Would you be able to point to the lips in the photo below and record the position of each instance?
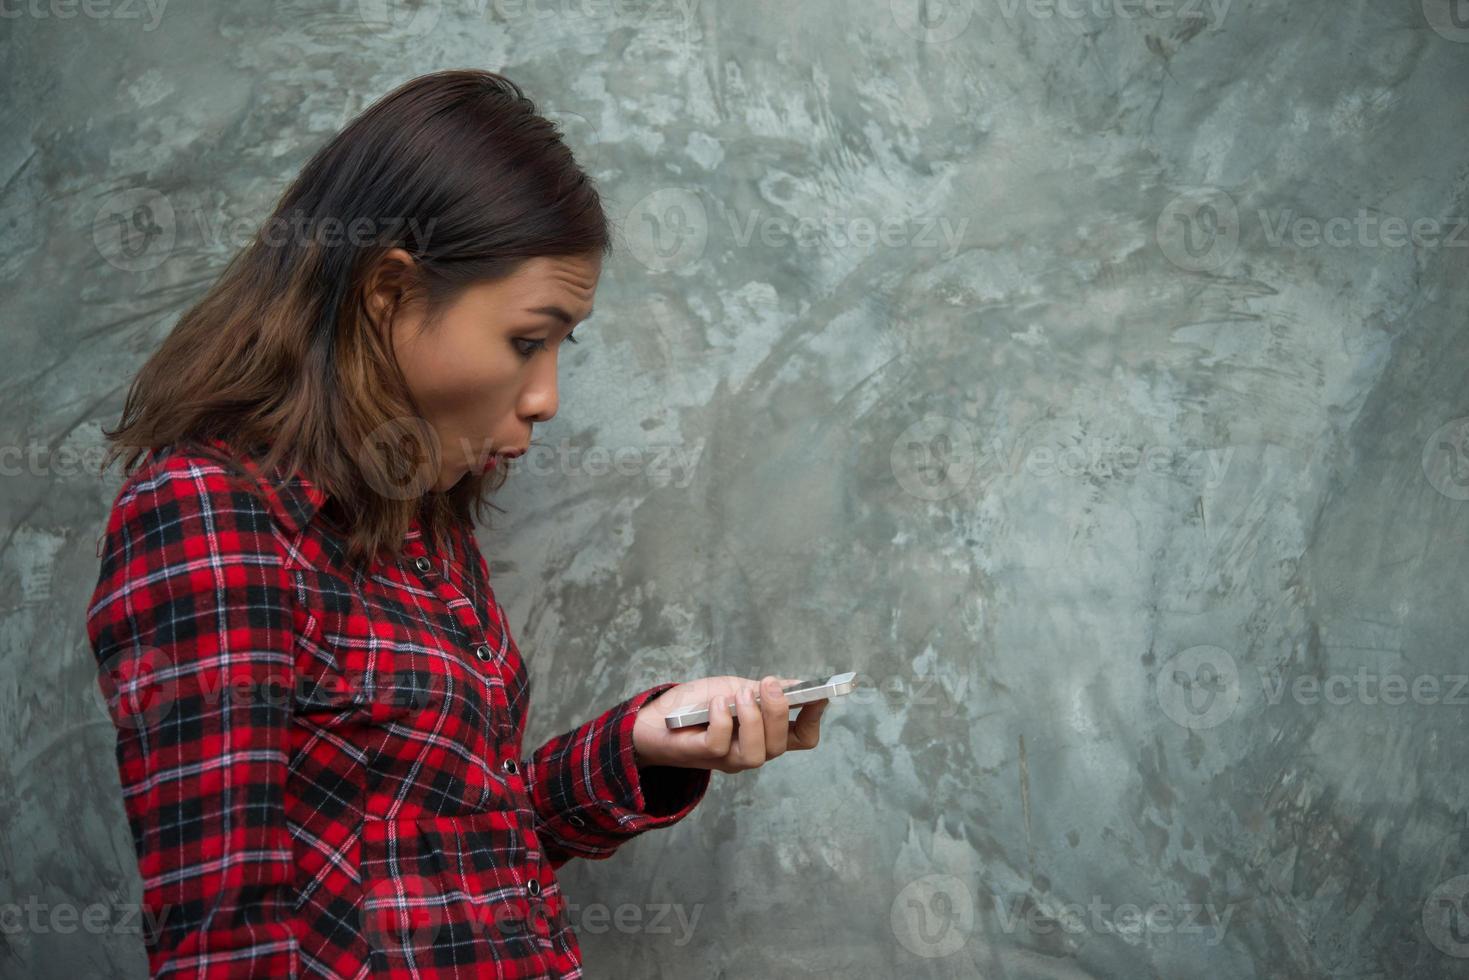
(495, 459)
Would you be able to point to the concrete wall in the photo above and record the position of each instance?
(1007, 355)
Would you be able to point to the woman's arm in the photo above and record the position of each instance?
(192, 624)
(590, 796)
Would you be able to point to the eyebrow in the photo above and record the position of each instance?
(558, 313)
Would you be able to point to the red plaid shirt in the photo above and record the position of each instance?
(321, 763)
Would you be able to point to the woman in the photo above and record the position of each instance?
(319, 704)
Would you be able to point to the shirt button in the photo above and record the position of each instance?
(483, 652)
(423, 564)
(533, 886)
(509, 766)
(576, 821)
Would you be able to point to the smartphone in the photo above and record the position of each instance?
(801, 692)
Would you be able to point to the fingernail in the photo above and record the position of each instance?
(743, 695)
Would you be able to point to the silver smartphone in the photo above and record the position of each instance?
(802, 692)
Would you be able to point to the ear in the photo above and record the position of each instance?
(387, 285)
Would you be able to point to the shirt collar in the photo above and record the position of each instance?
(293, 501)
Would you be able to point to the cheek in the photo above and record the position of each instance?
(453, 379)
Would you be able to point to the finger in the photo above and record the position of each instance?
(721, 727)
(776, 711)
(750, 739)
(806, 729)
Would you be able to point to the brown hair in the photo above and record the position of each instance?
(455, 167)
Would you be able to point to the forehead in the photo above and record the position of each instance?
(566, 281)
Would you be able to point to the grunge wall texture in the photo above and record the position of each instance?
(1089, 376)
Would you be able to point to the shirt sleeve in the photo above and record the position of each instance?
(192, 624)
(589, 795)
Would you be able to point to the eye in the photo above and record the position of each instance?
(572, 337)
(532, 345)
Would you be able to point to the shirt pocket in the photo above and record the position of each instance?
(379, 657)
(462, 890)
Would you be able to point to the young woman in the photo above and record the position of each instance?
(319, 703)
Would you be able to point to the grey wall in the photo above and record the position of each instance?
(1094, 463)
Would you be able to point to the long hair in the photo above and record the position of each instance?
(282, 353)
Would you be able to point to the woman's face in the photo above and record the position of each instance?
(486, 372)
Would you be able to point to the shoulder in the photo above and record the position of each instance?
(188, 490)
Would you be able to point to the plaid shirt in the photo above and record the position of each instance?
(321, 763)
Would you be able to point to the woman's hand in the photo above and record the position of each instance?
(764, 731)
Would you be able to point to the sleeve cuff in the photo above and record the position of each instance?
(591, 796)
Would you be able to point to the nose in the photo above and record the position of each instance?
(538, 397)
